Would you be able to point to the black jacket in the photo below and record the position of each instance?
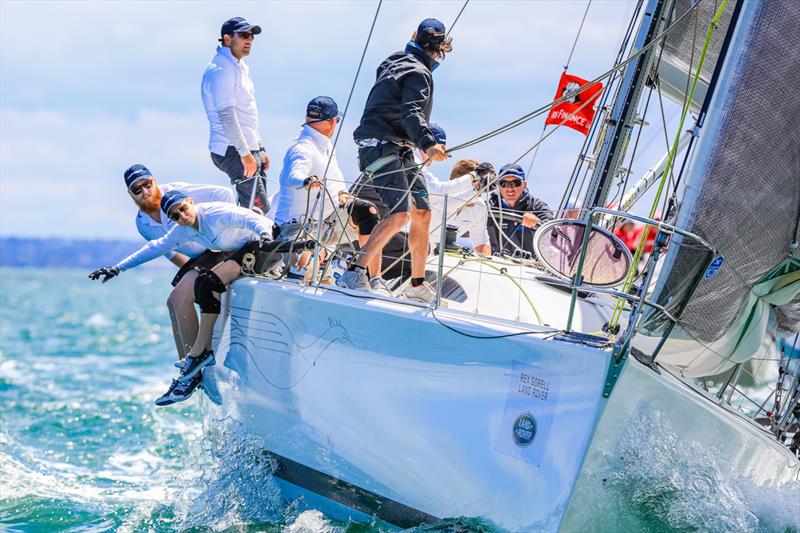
(399, 105)
(512, 229)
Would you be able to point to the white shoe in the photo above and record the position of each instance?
(422, 293)
(357, 279)
(379, 286)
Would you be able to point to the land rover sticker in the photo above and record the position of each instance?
(524, 429)
(531, 401)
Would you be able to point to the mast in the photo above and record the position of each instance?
(620, 122)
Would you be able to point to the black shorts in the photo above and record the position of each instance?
(205, 261)
(391, 182)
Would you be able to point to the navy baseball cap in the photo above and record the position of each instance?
(322, 108)
(136, 172)
(171, 198)
(438, 133)
(432, 27)
(238, 25)
(511, 170)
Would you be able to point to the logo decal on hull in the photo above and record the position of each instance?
(524, 429)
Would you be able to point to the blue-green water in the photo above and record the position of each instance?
(83, 447)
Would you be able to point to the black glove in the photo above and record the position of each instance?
(264, 238)
(106, 272)
(486, 174)
(359, 208)
(308, 180)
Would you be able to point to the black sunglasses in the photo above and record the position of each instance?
(510, 183)
(175, 215)
(246, 35)
(136, 190)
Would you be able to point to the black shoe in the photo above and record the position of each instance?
(179, 391)
(193, 365)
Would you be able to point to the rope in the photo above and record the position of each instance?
(665, 176)
(588, 4)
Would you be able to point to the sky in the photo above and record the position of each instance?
(89, 88)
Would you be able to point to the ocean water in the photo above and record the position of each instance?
(83, 447)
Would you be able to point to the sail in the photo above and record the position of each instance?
(681, 50)
(742, 195)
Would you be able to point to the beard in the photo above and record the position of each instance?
(153, 203)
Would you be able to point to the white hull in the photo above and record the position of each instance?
(375, 408)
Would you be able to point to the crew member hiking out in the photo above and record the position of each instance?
(231, 229)
(395, 121)
(230, 103)
(153, 224)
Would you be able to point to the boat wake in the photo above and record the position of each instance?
(680, 488)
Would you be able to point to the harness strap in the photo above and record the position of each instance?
(379, 163)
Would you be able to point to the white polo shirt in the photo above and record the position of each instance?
(221, 226)
(152, 230)
(226, 83)
(307, 156)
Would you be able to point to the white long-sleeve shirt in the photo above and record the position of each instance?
(152, 230)
(467, 217)
(307, 156)
(226, 83)
(220, 226)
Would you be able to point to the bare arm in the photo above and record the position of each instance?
(179, 260)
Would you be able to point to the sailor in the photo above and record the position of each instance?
(233, 230)
(153, 224)
(308, 162)
(395, 120)
(466, 210)
(230, 103)
(514, 213)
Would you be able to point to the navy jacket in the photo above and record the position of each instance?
(399, 105)
(513, 229)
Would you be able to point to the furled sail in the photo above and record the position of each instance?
(742, 195)
(682, 47)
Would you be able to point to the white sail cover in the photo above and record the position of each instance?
(742, 195)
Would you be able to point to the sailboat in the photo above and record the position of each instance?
(529, 387)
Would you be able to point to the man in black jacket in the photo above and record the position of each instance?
(514, 214)
(396, 120)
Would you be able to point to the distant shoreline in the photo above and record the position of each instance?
(58, 252)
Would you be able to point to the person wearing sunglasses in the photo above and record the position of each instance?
(152, 224)
(309, 160)
(395, 120)
(229, 100)
(514, 213)
(232, 230)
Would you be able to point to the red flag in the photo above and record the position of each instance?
(577, 112)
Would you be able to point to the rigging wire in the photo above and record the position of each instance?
(566, 66)
(453, 25)
(538, 111)
(339, 131)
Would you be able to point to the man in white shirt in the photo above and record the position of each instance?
(309, 163)
(153, 224)
(230, 103)
(465, 209)
(233, 230)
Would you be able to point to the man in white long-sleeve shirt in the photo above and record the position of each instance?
(152, 224)
(230, 103)
(309, 163)
(465, 209)
(231, 229)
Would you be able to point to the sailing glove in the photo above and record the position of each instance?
(486, 175)
(106, 273)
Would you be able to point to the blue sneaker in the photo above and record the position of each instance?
(179, 391)
(193, 365)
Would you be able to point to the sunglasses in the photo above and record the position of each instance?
(136, 190)
(246, 35)
(175, 214)
(510, 183)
